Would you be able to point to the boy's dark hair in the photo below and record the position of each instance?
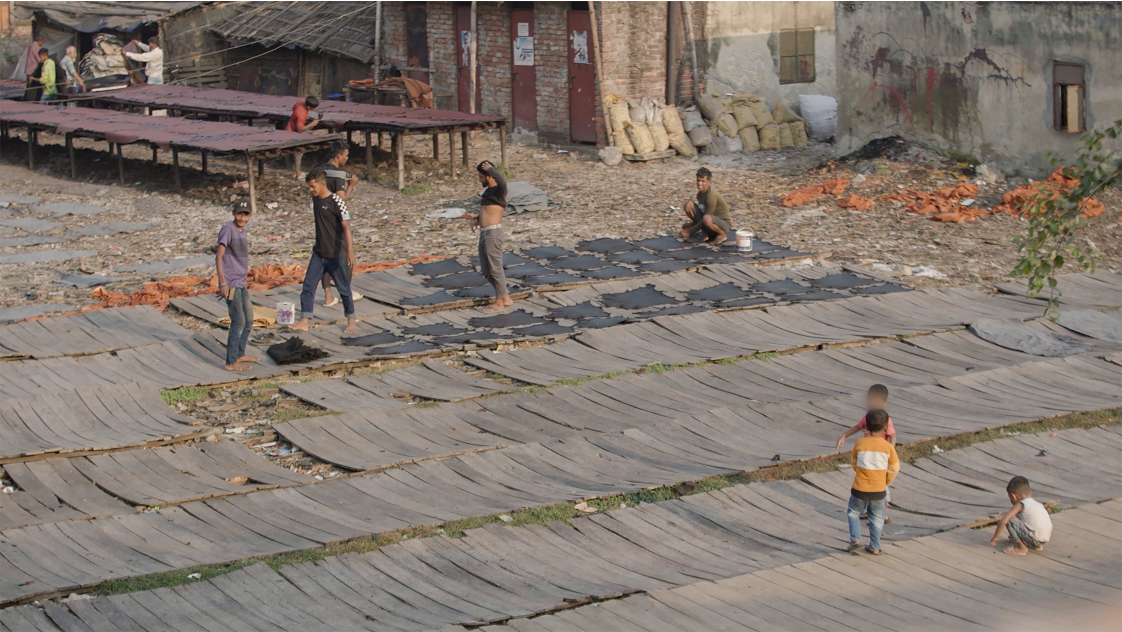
(316, 174)
(489, 170)
(242, 205)
(880, 390)
(704, 173)
(1019, 485)
(311, 102)
(338, 147)
(876, 420)
(154, 41)
(43, 52)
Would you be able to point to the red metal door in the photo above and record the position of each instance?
(582, 79)
(417, 40)
(463, 55)
(524, 75)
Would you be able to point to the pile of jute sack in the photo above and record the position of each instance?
(741, 123)
(718, 125)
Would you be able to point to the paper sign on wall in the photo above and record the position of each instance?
(523, 29)
(465, 46)
(580, 46)
(524, 51)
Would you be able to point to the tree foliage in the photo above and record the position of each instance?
(1055, 218)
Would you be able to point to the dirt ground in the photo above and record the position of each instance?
(631, 200)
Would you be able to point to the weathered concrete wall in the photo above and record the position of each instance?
(743, 39)
(974, 78)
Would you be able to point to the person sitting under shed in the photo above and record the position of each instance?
(709, 213)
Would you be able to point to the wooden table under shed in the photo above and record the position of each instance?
(367, 118)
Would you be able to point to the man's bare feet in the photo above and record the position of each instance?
(238, 367)
(351, 326)
(507, 301)
(301, 326)
(248, 359)
(328, 300)
(1017, 548)
(497, 306)
(718, 240)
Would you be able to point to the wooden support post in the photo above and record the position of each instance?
(261, 169)
(31, 138)
(379, 140)
(350, 139)
(252, 188)
(155, 153)
(464, 146)
(175, 169)
(399, 148)
(120, 164)
(204, 161)
(70, 152)
(502, 141)
(452, 153)
(436, 147)
(370, 156)
(600, 74)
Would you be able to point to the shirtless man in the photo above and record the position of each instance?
(491, 236)
(709, 213)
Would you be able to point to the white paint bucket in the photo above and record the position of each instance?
(286, 313)
(744, 239)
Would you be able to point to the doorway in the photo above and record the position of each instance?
(524, 75)
(417, 41)
(582, 79)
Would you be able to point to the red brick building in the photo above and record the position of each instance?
(549, 92)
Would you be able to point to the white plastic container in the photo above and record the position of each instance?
(744, 239)
(286, 313)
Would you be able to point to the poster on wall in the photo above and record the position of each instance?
(465, 42)
(524, 51)
(580, 47)
(523, 29)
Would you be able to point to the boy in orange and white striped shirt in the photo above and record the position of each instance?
(875, 464)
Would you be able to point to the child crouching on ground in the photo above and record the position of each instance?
(1028, 522)
(875, 464)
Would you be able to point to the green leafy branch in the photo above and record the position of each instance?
(1055, 216)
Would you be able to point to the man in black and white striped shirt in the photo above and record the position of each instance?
(342, 184)
(333, 254)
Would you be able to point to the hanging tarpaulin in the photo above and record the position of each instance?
(91, 17)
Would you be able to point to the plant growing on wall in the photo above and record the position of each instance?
(1056, 215)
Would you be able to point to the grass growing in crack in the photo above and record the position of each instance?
(290, 414)
(567, 511)
(416, 189)
(184, 395)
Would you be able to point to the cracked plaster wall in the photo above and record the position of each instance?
(975, 78)
(743, 42)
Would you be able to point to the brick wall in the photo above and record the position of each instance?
(393, 33)
(494, 51)
(441, 23)
(632, 49)
(551, 56)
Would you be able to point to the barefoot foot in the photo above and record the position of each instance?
(238, 367)
(248, 359)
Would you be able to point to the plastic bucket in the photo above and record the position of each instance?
(286, 313)
(744, 239)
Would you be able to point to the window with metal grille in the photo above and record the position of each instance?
(796, 55)
(1069, 91)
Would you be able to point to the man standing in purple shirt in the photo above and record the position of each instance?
(232, 261)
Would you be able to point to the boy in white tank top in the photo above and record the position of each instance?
(1028, 522)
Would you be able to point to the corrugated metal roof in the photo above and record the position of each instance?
(91, 17)
(345, 29)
